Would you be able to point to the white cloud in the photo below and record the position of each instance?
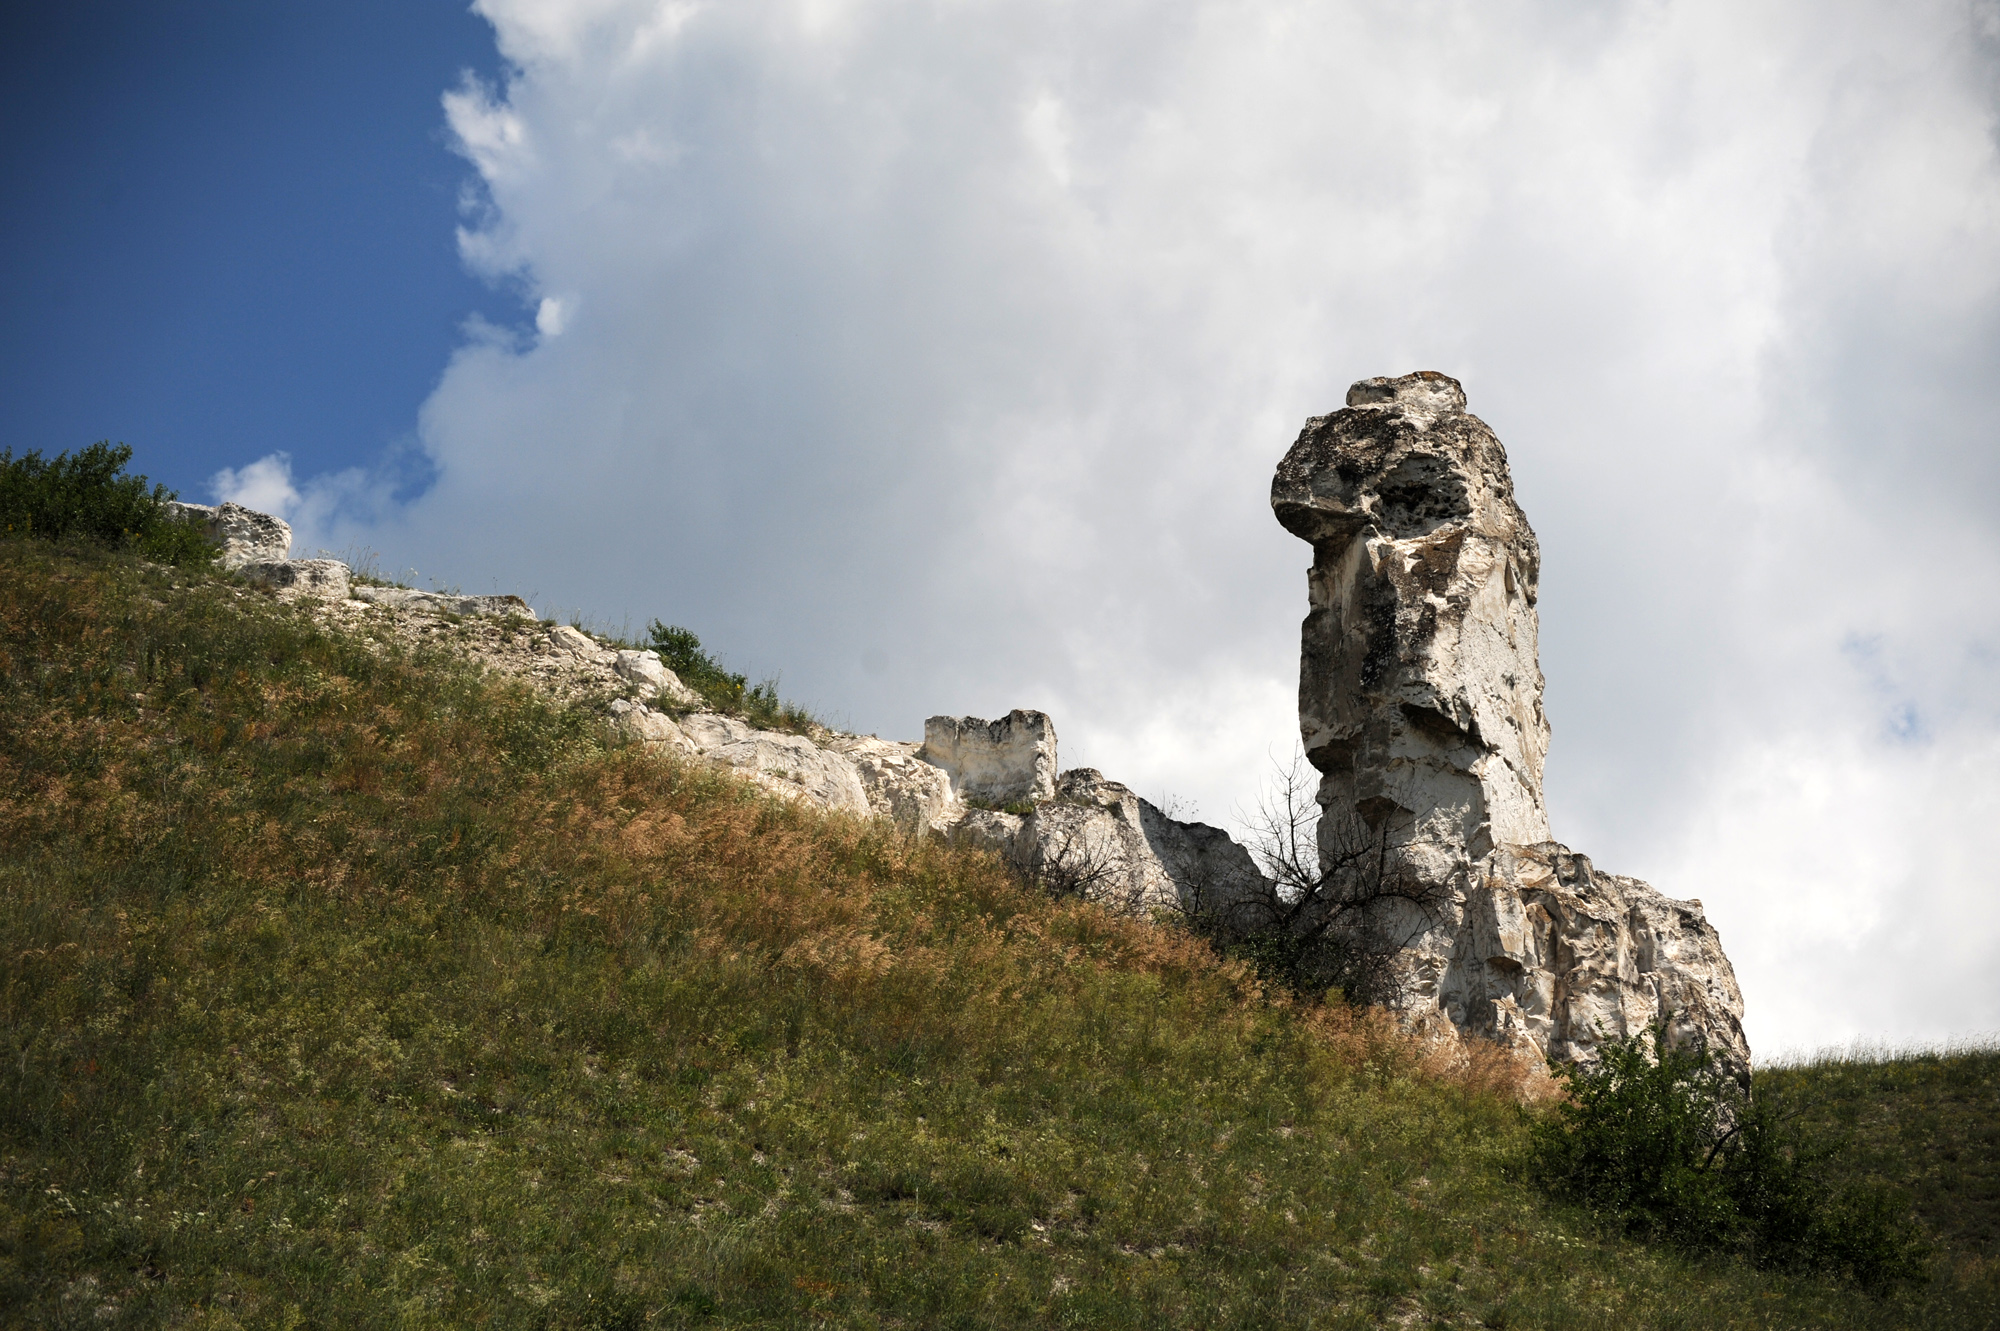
(265, 485)
(551, 317)
(332, 513)
(939, 355)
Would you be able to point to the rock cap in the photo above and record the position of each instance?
(1424, 393)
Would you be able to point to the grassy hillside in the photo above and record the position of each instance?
(1930, 1121)
(339, 987)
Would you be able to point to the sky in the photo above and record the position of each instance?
(934, 357)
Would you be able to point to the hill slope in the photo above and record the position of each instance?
(344, 987)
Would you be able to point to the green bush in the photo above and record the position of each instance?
(683, 654)
(1308, 964)
(88, 496)
(724, 689)
(1660, 1138)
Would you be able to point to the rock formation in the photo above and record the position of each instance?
(991, 783)
(324, 579)
(244, 535)
(1009, 761)
(259, 547)
(1096, 840)
(442, 603)
(1420, 703)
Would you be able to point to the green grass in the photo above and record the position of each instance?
(342, 987)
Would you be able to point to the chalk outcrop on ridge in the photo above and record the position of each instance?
(1009, 761)
(995, 783)
(259, 546)
(1420, 703)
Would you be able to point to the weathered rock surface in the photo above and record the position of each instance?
(1420, 702)
(575, 641)
(322, 578)
(654, 680)
(1009, 761)
(245, 535)
(1419, 687)
(900, 785)
(259, 546)
(441, 603)
(1099, 841)
(788, 765)
(1547, 949)
(655, 730)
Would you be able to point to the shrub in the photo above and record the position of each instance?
(1661, 1139)
(724, 689)
(683, 654)
(1341, 902)
(87, 496)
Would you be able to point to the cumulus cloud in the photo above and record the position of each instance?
(328, 512)
(938, 355)
(265, 485)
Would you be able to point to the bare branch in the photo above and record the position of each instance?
(1070, 863)
(1343, 900)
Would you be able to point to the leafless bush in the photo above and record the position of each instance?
(1341, 901)
(1056, 854)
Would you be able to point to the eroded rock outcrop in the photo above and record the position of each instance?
(1097, 840)
(899, 784)
(994, 783)
(243, 535)
(786, 764)
(1420, 703)
(324, 579)
(1009, 761)
(441, 603)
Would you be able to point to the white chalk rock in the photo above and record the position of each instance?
(322, 579)
(994, 762)
(442, 603)
(646, 670)
(1420, 702)
(900, 785)
(245, 535)
(788, 765)
(640, 724)
(1420, 695)
(574, 641)
(1097, 840)
(1540, 948)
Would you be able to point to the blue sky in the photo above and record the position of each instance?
(228, 227)
(935, 354)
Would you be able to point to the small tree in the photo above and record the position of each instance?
(683, 654)
(1056, 854)
(723, 689)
